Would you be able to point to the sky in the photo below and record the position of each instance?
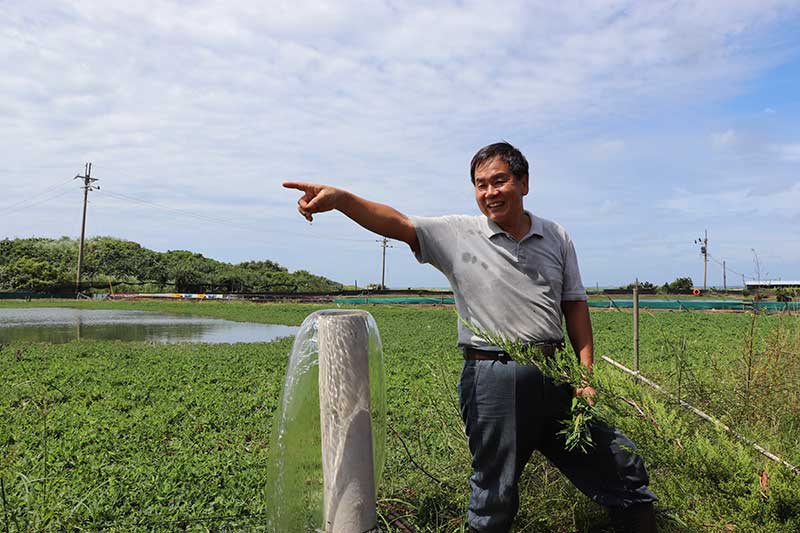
(645, 124)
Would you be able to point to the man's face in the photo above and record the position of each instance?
(498, 193)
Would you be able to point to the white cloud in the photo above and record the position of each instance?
(724, 140)
(764, 201)
(787, 152)
(606, 148)
(207, 98)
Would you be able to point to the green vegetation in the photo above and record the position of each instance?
(136, 436)
(680, 284)
(643, 286)
(562, 367)
(784, 294)
(49, 265)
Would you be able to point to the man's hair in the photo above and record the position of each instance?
(516, 162)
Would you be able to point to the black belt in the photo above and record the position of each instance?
(476, 354)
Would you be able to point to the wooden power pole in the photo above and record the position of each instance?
(705, 259)
(384, 244)
(703, 241)
(724, 277)
(87, 186)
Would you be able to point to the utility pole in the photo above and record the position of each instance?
(724, 277)
(384, 244)
(703, 241)
(87, 186)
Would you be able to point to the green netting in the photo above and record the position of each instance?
(696, 305)
(395, 300)
(688, 305)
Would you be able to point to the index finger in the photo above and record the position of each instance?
(299, 185)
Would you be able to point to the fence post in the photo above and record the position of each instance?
(636, 328)
(346, 424)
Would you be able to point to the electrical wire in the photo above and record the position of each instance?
(32, 200)
(35, 203)
(223, 221)
(729, 269)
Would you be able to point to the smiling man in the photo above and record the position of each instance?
(516, 275)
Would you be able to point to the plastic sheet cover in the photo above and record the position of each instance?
(295, 472)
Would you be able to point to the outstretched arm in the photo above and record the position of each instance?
(378, 218)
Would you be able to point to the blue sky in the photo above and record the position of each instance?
(645, 124)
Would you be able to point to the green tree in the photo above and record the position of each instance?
(681, 284)
(262, 266)
(27, 274)
(189, 280)
(118, 262)
(645, 285)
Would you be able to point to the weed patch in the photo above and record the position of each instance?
(137, 436)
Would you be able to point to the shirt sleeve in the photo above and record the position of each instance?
(572, 289)
(437, 238)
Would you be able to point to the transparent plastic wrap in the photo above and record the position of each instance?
(328, 359)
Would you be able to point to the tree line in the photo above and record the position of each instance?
(111, 264)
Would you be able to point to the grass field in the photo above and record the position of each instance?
(135, 436)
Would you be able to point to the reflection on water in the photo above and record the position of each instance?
(58, 325)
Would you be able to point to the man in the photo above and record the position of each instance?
(516, 275)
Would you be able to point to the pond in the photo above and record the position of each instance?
(59, 325)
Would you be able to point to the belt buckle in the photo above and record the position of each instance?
(503, 357)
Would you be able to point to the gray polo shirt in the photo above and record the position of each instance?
(509, 287)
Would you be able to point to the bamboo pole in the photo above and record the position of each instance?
(346, 424)
(636, 327)
(704, 416)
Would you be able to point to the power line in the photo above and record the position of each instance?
(225, 222)
(729, 269)
(254, 239)
(34, 203)
(204, 218)
(37, 202)
(9, 207)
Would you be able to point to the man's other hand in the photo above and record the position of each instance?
(587, 393)
(315, 199)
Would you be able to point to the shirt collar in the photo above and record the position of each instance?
(491, 229)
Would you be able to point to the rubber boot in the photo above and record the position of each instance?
(637, 518)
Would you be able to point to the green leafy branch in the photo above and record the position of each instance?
(562, 367)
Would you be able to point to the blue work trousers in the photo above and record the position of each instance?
(511, 409)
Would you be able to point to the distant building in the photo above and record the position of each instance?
(772, 284)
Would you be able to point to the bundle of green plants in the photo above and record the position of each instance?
(563, 367)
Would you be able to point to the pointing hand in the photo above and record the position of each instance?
(316, 198)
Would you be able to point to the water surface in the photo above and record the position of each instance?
(58, 325)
